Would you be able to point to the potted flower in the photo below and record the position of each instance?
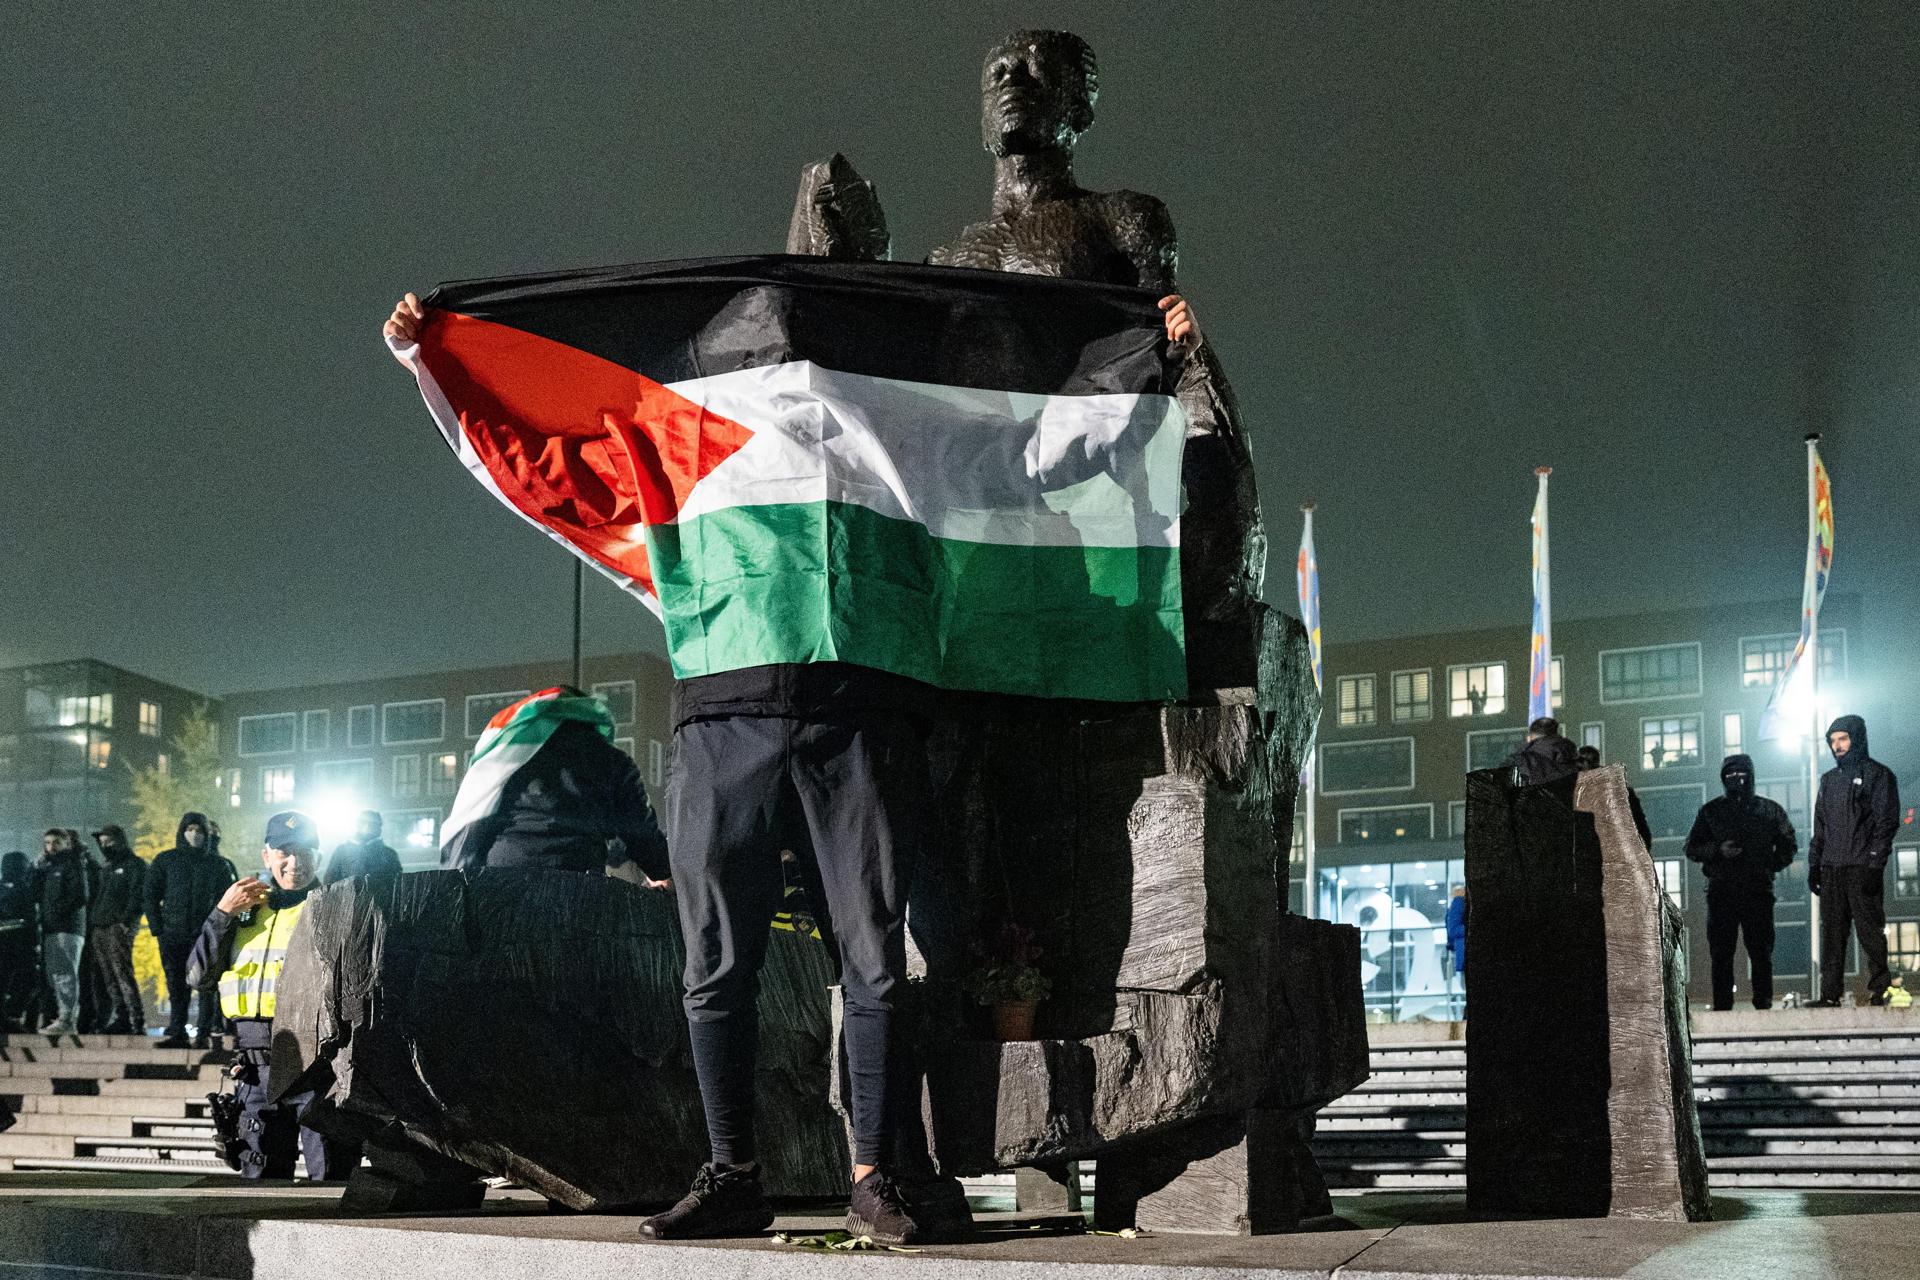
(1010, 984)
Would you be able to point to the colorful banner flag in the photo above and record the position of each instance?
(969, 478)
(1307, 580)
(1791, 704)
(1540, 665)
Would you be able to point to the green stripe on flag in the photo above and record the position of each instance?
(828, 581)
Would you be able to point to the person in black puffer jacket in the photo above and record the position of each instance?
(1741, 840)
(60, 890)
(19, 942)
(183, 886)
(114, 918)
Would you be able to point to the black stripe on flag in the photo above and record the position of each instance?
(997, 330)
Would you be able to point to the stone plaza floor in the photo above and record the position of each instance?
(76, 1225)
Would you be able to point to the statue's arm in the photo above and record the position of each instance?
(837, 214)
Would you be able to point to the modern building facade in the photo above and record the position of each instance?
(401, 744)
(1668, 695)
(71, 734)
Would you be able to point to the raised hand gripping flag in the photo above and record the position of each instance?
(1540, 660)
(1783, 717)
(971, 478)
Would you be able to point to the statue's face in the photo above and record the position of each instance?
(1032, 98)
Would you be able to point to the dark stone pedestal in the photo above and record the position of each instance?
(1579, 1094)
(528, 1024)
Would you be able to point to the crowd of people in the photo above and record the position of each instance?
(69, 920)
(1742, 840)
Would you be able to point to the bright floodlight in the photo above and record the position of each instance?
(337, 813)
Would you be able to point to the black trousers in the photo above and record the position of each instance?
(173, 963)
(1853, 897)
(1729, 916)
(112, 949)
(851, 796)
(275, 1138)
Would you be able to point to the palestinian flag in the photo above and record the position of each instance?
(511, 739)
(971, 478)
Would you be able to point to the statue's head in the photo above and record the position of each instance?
(1037, 90)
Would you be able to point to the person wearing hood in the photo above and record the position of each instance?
(1741, 840)
(19, 942)
(183, 884)
(114, 918)
(60, 892)
(240, 949)
(366, 854)
(1545, 755)
(1854, 821)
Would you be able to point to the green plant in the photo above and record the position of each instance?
(1009, 975)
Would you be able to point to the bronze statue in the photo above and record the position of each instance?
(1193, 1027)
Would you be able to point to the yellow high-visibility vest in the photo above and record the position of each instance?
(1899, 997)
(247, 987)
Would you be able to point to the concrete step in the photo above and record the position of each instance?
(16, 1145)
(102, 1105)
(72, 1125)
(130, 1148)
(154, 1069)
(208, 1081)
(18, 1040)
(135, 1165)
(133, 1055)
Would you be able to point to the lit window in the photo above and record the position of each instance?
(443, 773)
(1906, 870)
(1593, 733)
(1661, 671)
(316, 730)
(233, 789)
(415, 828)
(406, 777)
(1731, 737)
(91, 708)
(1670, 742)
(1297, 848)
(352, 777)
(1903, 945)
(656, 762)
(99, 753)
(1355, 700)
(618, 697)
(360, 726)
(1763, 658)
(1383, 764)
(1557, 684)
(271, 735)
(1673, 879)
(482, 707)
(1477, 689)
(423, 720)
(149, 719)
(1412, 696)
(160, 763)
(1386, 825)
(1456, 817)
(624, 745)
(276, 785)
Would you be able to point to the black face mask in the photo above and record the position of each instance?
(1737, 784)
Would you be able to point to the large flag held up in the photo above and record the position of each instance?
(1540, 661)
(1306, 577)
(1787, 709)
(971, 478)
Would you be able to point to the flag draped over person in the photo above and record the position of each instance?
(509, 741)
(1791, 704)
(970, 478)
(1540, 664)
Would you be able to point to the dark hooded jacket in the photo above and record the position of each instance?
(121, 895)
(60, 885)
(1755, 824)
(184, 883)
(1544, 759)
(18, 925)
(1858, 811)
(371, 857)
(562, 810)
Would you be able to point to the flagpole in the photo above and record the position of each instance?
(1816, 737)
(1309, 879)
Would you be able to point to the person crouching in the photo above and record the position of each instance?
(242, 946)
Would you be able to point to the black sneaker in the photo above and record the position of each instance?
(172, 1040)
(1823, 1004)
(725, 1201)
(881, 1211)
(940, 1206)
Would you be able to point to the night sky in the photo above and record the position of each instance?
(1436, 246)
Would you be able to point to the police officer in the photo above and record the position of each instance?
(242, 946)
(1740, 840)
